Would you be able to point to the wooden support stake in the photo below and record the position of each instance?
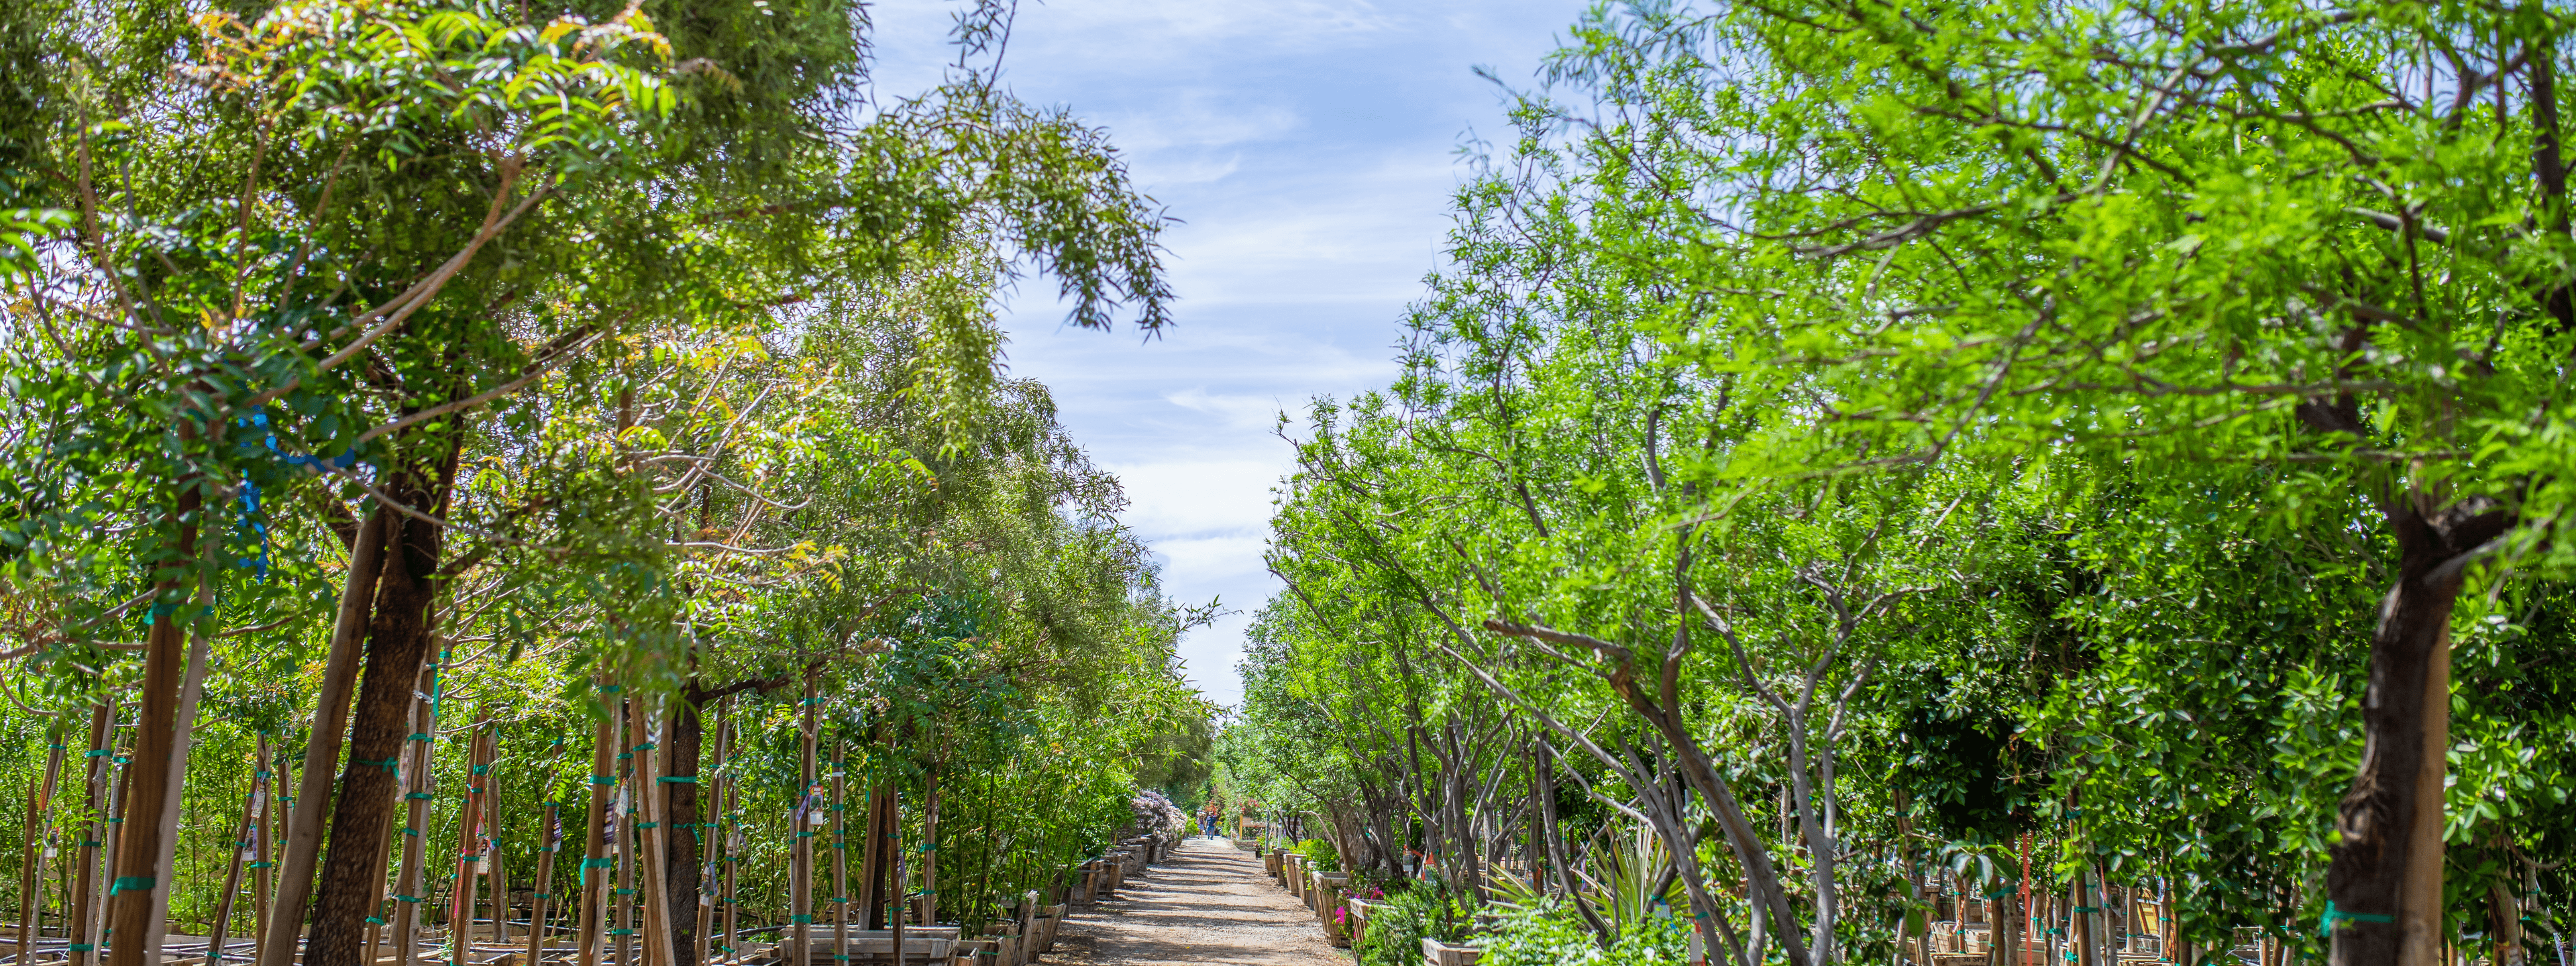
(233, 872)
(706, 907)
(930, 845)
(416, 796)
(626, 805)
(840, 856)
(469, 821)
(594, 836)
(83, 927)
(801, 837)
(271, 809)
(552, 836)
(40, 799)
(496, 870)
(733, 853)
(550, 839)
(650, 841)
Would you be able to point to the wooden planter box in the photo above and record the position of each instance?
(1358, 926)
(927, 944)
(1329, 887)
(1436, 953)
(1270, 864)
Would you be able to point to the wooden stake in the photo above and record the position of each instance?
(930, 845)
(40, 800)
(415, 841)
(469, 825)
(733, 854)
(840, 857)
(552, 836)
(264, 852)
(714, 846)
(495, 869)
(83, 930)
(800, 886)
(594, 851)
(322, 749)
(626, 843)
(650, 841)
(233, 871)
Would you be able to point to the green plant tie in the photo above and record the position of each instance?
(263, 865)
(2078, 908)
(621, 892)
(417, 736)
(603, 779)
(419, 797)
(621, 932)
(121, 759)
(624, 755)
(2326, 923)
(646, 825)
(678, 779)
(390, 765)
(410, 831)
(647, 746)
(132, 883)
(378, 920)
(800, 920)
(100, 753)
(480, 769)
(399, 897)
(611, 688)
(84, 947)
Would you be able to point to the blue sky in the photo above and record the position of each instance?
(1311, 148)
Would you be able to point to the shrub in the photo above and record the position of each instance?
(1397, 926)
(1320, 855)
(1550, 933)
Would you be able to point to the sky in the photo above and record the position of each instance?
(1310, 148)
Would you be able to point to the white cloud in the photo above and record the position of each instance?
(1308, 144)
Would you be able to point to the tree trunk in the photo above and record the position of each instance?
(2384, 879)
(131, 912)
(682, 735)
(398, 642)
(322, 748)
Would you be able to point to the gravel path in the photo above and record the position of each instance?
(1209, 903)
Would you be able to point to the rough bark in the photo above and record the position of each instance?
(683, 733)
(2384, 875)
(398, 643)
(322, 748)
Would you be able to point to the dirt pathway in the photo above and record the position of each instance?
(1209, 903)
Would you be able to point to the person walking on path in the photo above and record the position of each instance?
(1207, 820)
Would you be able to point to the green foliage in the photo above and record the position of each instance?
(1550, 934)
(1399, 923)
(1320, 855)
